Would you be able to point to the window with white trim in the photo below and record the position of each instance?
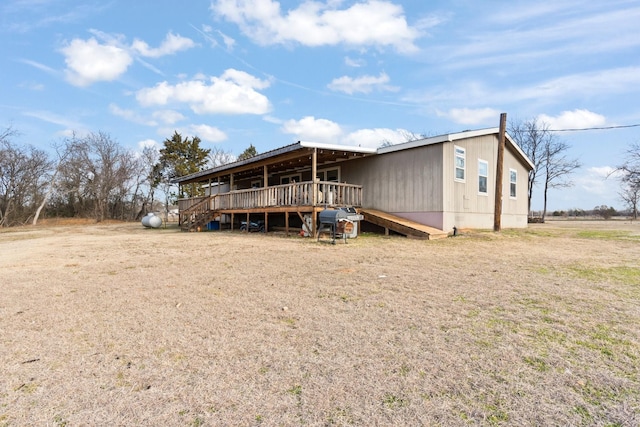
(513, 182)
(460, 161)
(483, 177)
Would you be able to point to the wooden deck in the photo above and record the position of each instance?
(303, 197)
(401, 225)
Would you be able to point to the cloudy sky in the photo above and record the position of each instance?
(268, 73)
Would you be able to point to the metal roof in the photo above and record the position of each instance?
(283, 158)
(451, 137)
(299, 150)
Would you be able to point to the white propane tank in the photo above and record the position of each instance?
(151, 221)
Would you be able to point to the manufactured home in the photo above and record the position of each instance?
(421, 188)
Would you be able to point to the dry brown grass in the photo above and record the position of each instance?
(120, 325)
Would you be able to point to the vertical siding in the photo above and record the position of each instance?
(464, 206)
(400, 182)
(419, 184)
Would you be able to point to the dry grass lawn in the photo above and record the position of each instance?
(120, 325)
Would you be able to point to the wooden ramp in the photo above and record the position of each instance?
(401, 225)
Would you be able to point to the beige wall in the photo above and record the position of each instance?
(464, 206)
(418, 184)
(402, 181)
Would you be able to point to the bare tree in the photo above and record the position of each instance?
(631, 178)
(407, 136)
(145, 179)
(97, 176)
(557, 167)
(532, 137)
(218, 157)
(22, 172)
(630, 194)
(62, 152)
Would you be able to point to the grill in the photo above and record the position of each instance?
(334, 221)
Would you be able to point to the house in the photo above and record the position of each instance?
(423, 188)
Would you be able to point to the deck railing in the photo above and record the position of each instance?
(287, 195)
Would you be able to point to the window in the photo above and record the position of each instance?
(287, 179)
(460, 163)
(331, 175)
(483, 175)
(513, 181)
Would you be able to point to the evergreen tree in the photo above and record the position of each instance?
(180, 157)
(248, 153)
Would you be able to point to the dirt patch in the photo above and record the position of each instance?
(120, 325)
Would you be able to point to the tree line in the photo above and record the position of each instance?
(93, 176)
(553, 167)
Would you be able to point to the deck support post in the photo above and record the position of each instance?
(286, 223)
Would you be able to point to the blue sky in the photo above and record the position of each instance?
(268, 73)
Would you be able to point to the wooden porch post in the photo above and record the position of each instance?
(314, 172)
(265, 184)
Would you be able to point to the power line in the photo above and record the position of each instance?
(595, 128)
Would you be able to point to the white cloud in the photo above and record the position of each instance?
(131, 116)
(168, 117)
(375, 23)
(311, 129)
(228, 41)
(208, 133)
(88, 62)
(272, 119)
(469, 116)
(202, 131)
(39, 66)
(576, 119)
(322, 130)
(355, 63)
(234, 92)
(572, 87)
(598, 185)
(362, 84)
(172, 43)
(148, 143)
(611, 81)
(374, 138)
(57, 119)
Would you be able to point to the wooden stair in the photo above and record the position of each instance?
(402, 226)
(196, 217)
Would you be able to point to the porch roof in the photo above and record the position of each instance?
(281, 159)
